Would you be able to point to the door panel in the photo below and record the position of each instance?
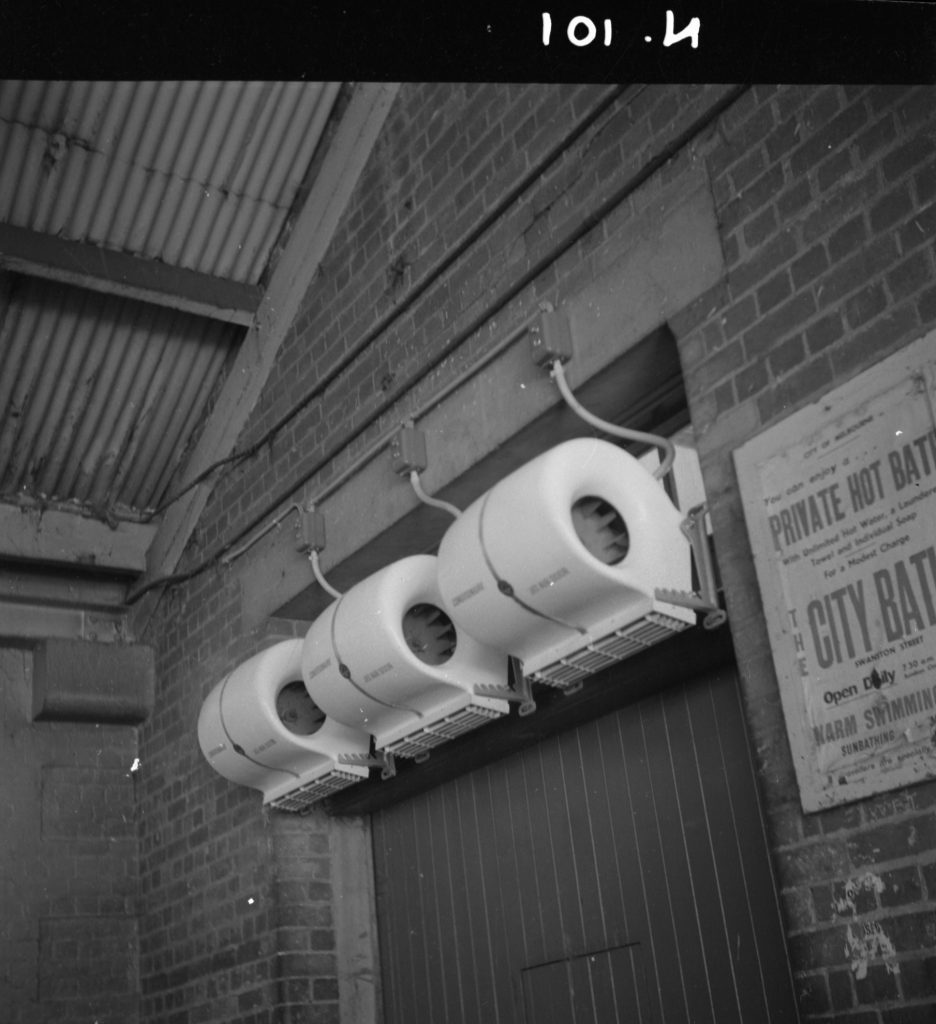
(590, 989)
(617, 872)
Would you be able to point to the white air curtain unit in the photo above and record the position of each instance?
(386, 658)
(560, 562)
(258, 727)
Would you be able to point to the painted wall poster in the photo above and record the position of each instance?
(840, 505)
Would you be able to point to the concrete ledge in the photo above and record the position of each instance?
(80, 681)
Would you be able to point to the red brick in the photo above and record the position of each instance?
(829, 137)
(866, 265)
(893, 207)
(911, 275)
(824, 947)
(751, 380)
(716, 368)
(777, 251)
(743, 137)
(925, 184)
(901, 886)
(927, 306)
(811, 861)
(774, 291)
(865, 305)
(877, 845)
(906, 157)
(874, 342)
(841, 990)
(782, 140)
(879, 984)
(810, 380)
(917, 108)
(739, 316)
(835, 819)
(821, 108)
(833, 169)
(771, 329)
(794, 199)
(824, 332)
(757, 230)
(919, 229)
(876, 137)
(921, 1014)
(883, 96)
(807, 267)
(756, 195)
(812, 993)
(918, 977)
(791, 99)
(839, 204)
(847, 238)
(787, 356)
(724, 397)
(747, 170)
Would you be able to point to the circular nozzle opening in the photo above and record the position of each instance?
(601, 528)
(429, 634)
(297, 711)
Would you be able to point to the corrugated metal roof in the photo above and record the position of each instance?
(99, 395)
(200, 175)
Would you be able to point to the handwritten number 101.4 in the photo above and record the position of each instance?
(582, 31)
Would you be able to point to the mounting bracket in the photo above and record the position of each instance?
(520, 692)
(706, 600)
(379, 759)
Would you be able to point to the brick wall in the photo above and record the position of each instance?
(478, 202)
(68, 864)
(825, 198)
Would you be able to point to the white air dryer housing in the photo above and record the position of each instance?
(259, 728)
(385, 658)
(558, 563)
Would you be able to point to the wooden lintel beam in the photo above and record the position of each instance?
(64, 538)
(293, 275)
(117, 273)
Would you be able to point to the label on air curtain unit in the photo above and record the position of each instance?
(383, 670)
(550, 580)
(319, 668)
(466, 594)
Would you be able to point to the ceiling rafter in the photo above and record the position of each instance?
(110, 272)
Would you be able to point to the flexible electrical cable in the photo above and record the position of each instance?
(319, 575)
(666, 446)
(427, 500)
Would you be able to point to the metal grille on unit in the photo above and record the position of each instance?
(305, 796)
(440, 732)
(615, 647)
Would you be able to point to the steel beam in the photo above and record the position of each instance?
(117, 273)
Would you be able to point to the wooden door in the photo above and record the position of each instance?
(617, 872)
